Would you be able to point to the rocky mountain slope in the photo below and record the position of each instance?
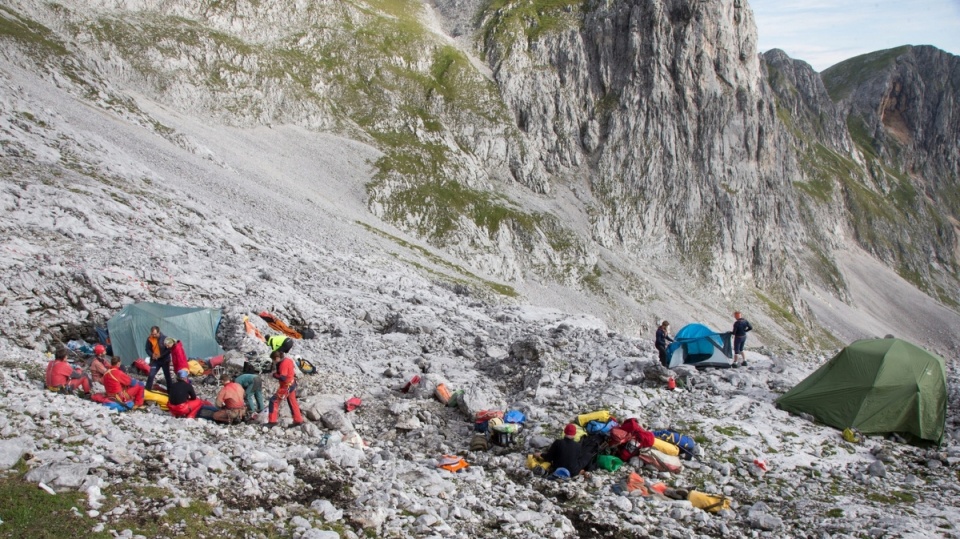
(350, 168)
(637, 160)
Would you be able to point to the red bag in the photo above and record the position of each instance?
(486, 415)
(141, 366)
(618, 436)
(412, 383)
(352, 404)
(643, 437)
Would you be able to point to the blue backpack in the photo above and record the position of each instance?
(514, 416)
(688, 447)
(596, 427)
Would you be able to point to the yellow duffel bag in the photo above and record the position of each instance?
(666, 447)
(708, 502)
(159, 398)
(601, 415)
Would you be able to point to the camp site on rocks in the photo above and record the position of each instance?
(337, 270)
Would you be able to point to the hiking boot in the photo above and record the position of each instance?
(735, 365)
(295, 425)
(270, 425)
(743, 363)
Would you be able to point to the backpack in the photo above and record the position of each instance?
(596, 427)
(502, 439)
(306, 367)
(618, 436)
(479, 443)
(514, 416)
(688, 447)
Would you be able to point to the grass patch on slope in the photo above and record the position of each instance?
(843, 78)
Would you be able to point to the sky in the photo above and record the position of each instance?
(823, 32)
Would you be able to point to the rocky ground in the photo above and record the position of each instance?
(320, 481)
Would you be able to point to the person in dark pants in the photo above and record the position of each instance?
(566, 452)
(159, 354)
(740, 329)
(663, 336)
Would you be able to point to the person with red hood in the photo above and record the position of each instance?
(118, 386)
(61, 376)
(287, 391)
(178, 358)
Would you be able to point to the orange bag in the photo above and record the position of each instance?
(452, 463)
(443, 394)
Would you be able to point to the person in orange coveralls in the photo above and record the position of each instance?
(286, 392)
(229, 401)
(99, 364)
(118, 385)
(61, 376)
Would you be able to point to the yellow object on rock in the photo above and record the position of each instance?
(601, 415)
(708, 502)
(666, 447)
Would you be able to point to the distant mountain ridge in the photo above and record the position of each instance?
(637, 154)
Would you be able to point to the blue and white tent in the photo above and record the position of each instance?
(700, 346)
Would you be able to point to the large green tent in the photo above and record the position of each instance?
(877, 386)
(196, 327)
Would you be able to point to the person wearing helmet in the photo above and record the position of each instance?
(159, 354)
(740, 329)
(99, 364)
(280, 342)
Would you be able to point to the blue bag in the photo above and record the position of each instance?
(688, 447)
(596, 427)
(514, 416)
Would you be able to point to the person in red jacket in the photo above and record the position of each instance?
(99, 364)
(178, 358)
(61, 376)
(229, 401)
(118, 385)
(287, 391)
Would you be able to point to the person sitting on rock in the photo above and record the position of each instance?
(566, 452)
(183, 399)
(252, 392)
(286, 375)
(280, 342)
(63, 377)
(100, 364)
(118, 386)
(229, 402)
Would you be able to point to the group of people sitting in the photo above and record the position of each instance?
(239, 398)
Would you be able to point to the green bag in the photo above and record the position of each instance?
(609, 463)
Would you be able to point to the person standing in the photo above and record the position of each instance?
(118, 386)
(252, 392)
(663, 336)
(740, 329)
(286, 375)
(62, 377)
(280, 342)
(159, 354)
(178, 358)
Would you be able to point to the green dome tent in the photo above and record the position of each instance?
(196, 327)
(877, 386)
